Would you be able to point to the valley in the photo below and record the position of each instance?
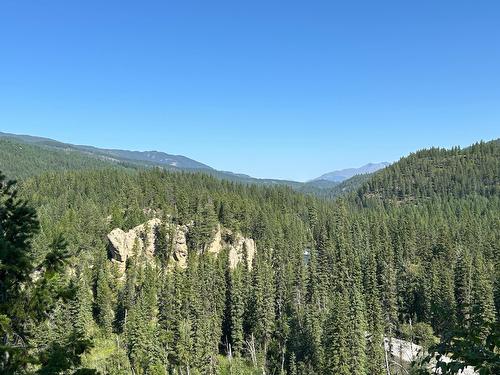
(128, 268)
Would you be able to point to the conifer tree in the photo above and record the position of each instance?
(104, 300)
(443, 298)
(386, 277)
(374, 319)
(237, 310)
(18, 224)
(336, 337)
(357, 331)
(184, 346)
(81, 313)
(262, 305)
(482, 304)
(463, 285)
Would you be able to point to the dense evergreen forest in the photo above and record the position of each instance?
(412, 254)
(22, 160)
(24, 156)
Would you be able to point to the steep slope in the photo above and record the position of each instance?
(21, 160)
(155, 158)
(147, 158)
(439, 172)
(331, 190)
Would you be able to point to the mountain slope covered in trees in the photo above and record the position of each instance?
(148, 158)
(330, 278)
(439, 172)
(20, 160)
(25, 156)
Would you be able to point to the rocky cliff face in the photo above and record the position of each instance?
(239, 246)
(138, 240)
(142, 240)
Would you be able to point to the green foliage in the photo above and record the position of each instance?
(466, 348)
(419, 333)
(336, 338)
(439, 172)
(104, 300)
(21, 160)
(418, 243)
(18, 224)
(236, 366)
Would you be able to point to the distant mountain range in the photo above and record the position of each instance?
(60, 155)
(344, 174)
(148, 157)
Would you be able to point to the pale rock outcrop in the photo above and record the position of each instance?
(216, 246)
(403, 350)
(237, 250)
(237, 245)
(142, 240)
(180, 249)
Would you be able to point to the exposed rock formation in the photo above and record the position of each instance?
(239, 248)
(237, 244)
(138, 240)
(217, 244)
(142, 240)
(180, 249)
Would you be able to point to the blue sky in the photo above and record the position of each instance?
(282, 89)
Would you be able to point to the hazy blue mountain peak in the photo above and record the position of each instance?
(344, 174)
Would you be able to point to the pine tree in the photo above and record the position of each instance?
(374, 319)
(292, 367)
(163, 233)
(357, 331)
(81, 313)
(336, 337)
(237, 310)
(18, 224)
(315, 348)
(142, 330)
(139, 333)
(184, 345)
(386, 277)
(204, 226)
(104, 301)
(483, 306)
(443, 298)
(463, 286)
(263, 313)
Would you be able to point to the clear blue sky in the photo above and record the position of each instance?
(280, 89)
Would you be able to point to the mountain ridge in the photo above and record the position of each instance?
(153, 158)
(344, 174)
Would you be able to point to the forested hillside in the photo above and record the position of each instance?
(413, 254)
(26, 156)
(440, 172)
(137, 158)
(20, 160)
